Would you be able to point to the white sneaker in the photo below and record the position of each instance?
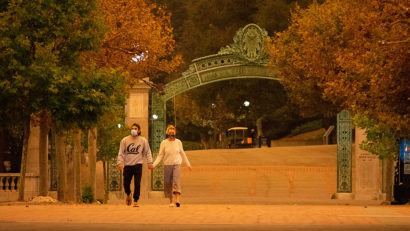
(171, 205)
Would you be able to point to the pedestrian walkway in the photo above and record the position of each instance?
(205, 216)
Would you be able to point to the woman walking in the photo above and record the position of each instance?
(172, 152)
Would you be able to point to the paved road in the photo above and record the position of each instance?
(204, 217)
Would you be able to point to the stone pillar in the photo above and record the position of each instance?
(368, 174)
(33, 157)
(31, 188)
(136, 108)
(136, 111)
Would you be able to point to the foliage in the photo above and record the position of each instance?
(381, 139)
(191, 145)
(307, 127)
(87, 195)
(40, 51)
(348, 55)
(214, 116)
(82, 99)
(139, 42)
(110, 135)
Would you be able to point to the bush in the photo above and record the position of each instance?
(307, 127)
(87, 195)
(192, 145)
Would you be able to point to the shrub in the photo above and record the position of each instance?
(192, 145)
(87, 195)
(307, 127)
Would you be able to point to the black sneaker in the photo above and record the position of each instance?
(177, 204)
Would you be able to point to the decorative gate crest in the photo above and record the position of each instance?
(249, 45)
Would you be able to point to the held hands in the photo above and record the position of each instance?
(121, 167)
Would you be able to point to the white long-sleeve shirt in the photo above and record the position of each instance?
(172, 152)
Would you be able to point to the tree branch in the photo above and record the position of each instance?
(394, 42)
(400, 21)
(397, 4)
(126, 51)
(157, 87)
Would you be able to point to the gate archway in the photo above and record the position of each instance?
(245, 58)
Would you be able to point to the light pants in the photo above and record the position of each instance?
(172, 179)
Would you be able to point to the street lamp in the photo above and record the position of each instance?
(155, 116)
(246, 103)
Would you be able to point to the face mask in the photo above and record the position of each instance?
(134, 132)
(171, 136)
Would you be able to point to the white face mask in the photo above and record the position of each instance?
(134, 132)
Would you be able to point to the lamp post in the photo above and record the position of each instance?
(246, 104)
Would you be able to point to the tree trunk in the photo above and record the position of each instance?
(61, 165)
(259, 127)
(92, 158)
(2, 151)
(53, 155)
(24, 160)
(389, 172)
(43, 155)
(106, 171)
(77, 165)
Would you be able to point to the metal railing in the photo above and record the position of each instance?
(327, 134)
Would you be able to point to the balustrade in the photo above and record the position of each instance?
(9, 181)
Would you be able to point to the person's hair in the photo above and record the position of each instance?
(136, 125)
(169, 128)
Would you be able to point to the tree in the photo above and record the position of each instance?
(89, 95)
(354, 55)
(50, 77)
(139, 41)
(214, 118)
(111, 129)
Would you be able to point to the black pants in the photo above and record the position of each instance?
(136, 172)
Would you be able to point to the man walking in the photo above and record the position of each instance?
(132, 150)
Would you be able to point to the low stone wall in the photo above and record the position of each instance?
(264, 184)
(9, 186)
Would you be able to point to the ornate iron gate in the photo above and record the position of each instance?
(344, 152)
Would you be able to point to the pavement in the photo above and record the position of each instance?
(26, 216)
